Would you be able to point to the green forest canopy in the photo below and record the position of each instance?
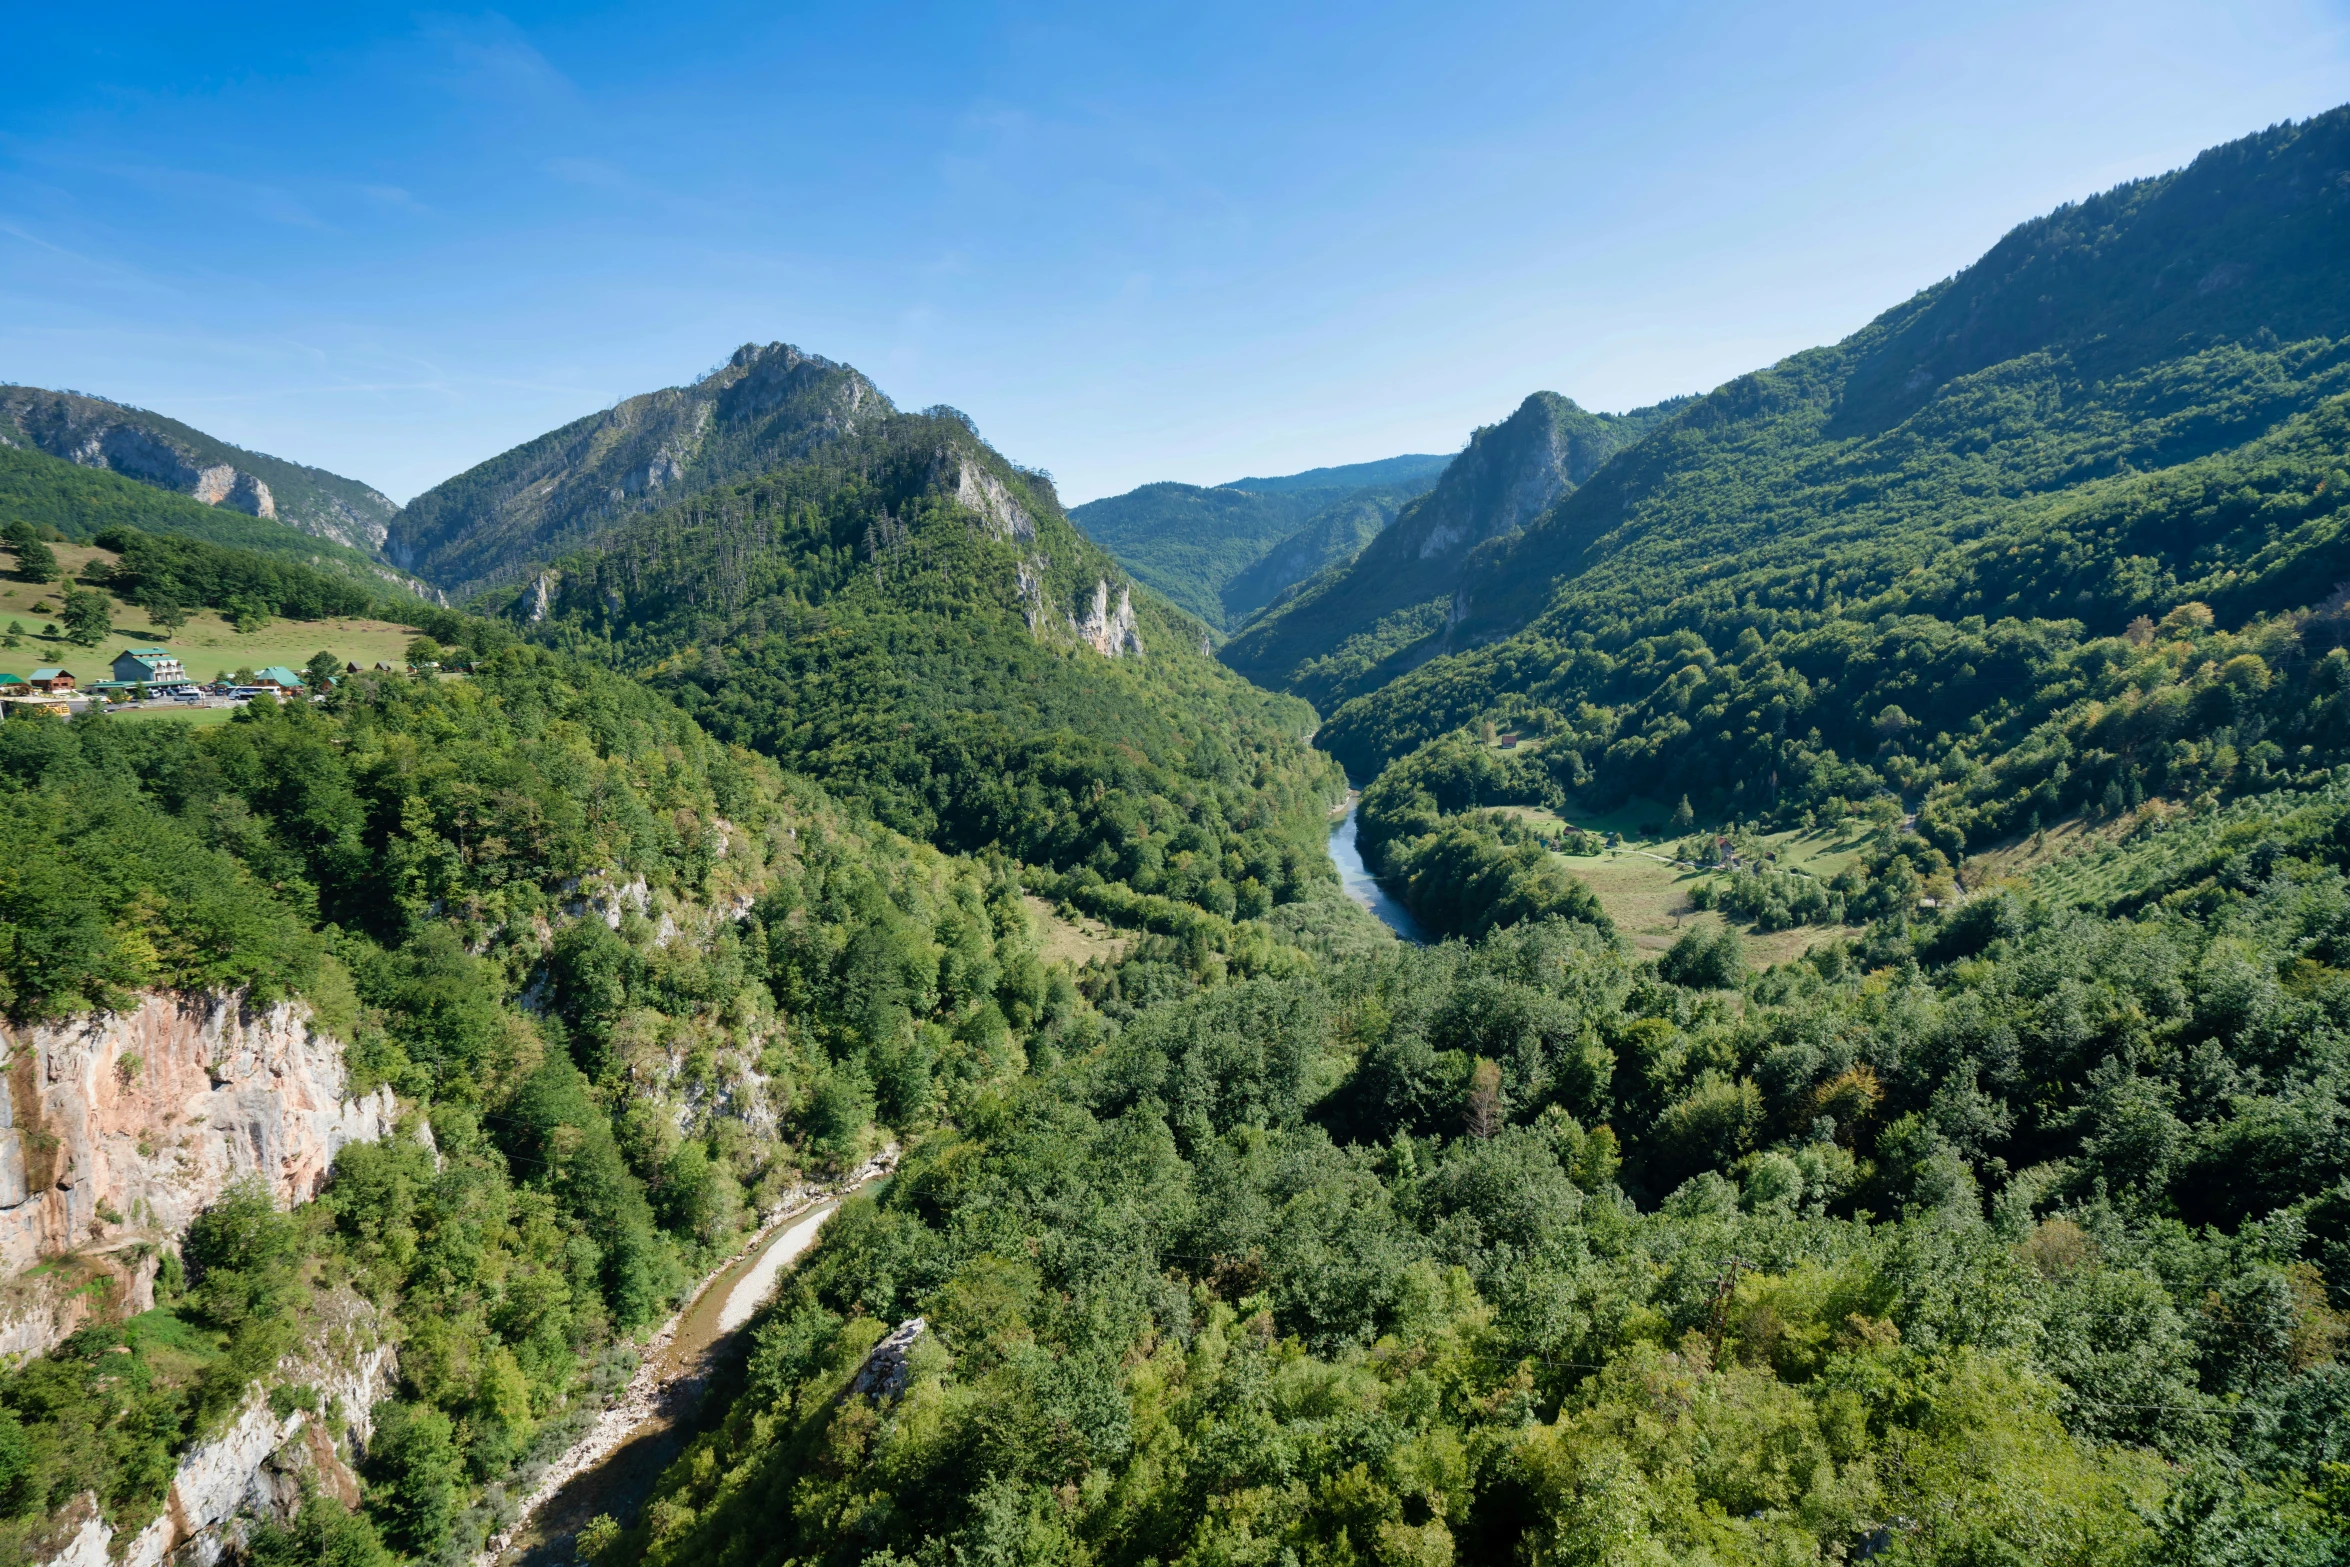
(2014, 1227)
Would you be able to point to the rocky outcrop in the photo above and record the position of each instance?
(1109, 632)
(117, 1128)
(256, 1468)
(223, 485)
(603, 895)
(885, 1371)
(979, 491)
(1509, 475)
(1029, 579)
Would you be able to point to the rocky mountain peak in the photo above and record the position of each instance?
(768, 403)
(1509, 474)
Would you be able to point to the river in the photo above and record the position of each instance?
(1362, 886)
(612, 1468)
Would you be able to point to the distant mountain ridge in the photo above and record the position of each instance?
(1413, 468)
(1331, 537)
(766, 405)
(1351, 627)
(1225, 551)
(93, 432)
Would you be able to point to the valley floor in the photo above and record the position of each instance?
(1647, 894)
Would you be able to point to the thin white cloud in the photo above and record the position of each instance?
(393, 196)
(489, 59)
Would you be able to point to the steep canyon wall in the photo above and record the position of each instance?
(117, 1128)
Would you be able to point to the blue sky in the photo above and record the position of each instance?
(1136, 242)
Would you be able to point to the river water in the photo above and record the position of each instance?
(1363, 887)
(613, 1469)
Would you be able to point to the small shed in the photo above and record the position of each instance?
(52, 679)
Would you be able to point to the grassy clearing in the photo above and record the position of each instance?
(207, 644)
(1072, 938)
(2022, 859)
(1823, 851)
(1648, 897)
(1649, 901)
(199, 716)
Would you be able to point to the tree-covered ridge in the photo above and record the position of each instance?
(1360, 621)
(2025, 1244)
(1412, 471)
(1984, 725)
(2164, 321)
(765, 405)
(2172, 353)
(914, 623)
(636, 984)
(1224, 552)
(81, 503)
(158, 569)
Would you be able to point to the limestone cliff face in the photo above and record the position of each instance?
(116, 1129)
(982, 492)
(1109, 632)
(223, 485)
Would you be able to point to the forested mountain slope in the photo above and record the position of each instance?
(763, 406)
(2023, 1236)
(629, 985)
(2127, 407)
(1224, 552)
(2008, 1223)
(1362, 619)
(78, 503)
(913, 621)
(169, 455)
(1329, 538)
